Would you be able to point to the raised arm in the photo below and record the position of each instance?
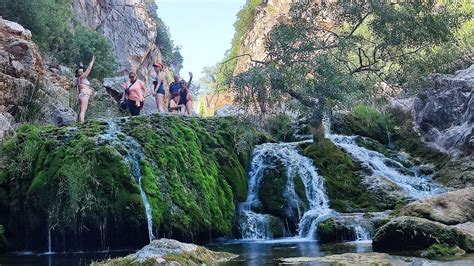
(190, 79)
(89, 68)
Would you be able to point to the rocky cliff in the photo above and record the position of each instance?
(131, 28)
(28, 87)
(444, 112)
(267, 15)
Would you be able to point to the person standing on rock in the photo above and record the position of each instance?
(84, 88)
(135, 91)
(158, 89)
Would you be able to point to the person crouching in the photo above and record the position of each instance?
(135, 91)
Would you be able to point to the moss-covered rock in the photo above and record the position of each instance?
(171, 252)
(442, 250)
(392, 128)
(344, 187)
(77, 181)
(412, 233)
(331, 231)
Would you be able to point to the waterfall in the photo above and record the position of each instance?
(413, 184)
(255, 225)
(361, 233)
(133, 157)
(50, 250)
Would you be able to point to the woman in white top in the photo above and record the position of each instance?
(84, 88)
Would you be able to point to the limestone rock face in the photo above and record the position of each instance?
(131, 28)
(266, 17)
(444, 113)
(450, 208)
(27, 87)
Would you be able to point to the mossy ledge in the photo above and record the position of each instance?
(77, 183)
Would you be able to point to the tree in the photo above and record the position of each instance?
(47, 20)
(82, 44)
(329, 55)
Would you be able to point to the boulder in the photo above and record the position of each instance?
(444, 113)
(457, 173)
(413, 233)
(171, 252)
(450, 208)
(30, 90)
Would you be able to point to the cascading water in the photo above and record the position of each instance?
(413, 184)
(361, 233)
(255, 225)
(133, 157)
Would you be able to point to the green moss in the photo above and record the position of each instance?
(192, 174)
(392, 127)
(364, 121)
(343, 186)
(331, 231)
(442, 250)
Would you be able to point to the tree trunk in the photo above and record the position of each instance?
(317, 129)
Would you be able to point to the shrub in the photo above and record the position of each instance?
(80, 47)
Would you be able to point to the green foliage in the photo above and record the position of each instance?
(364, 121)
(171, 54)
(50, 24)
(77, 179)
(442, 250)
(46, 19)
(323, 67)
(331, 231)
(245, 20)
(344, 187)
(82, 44)
(280, 127)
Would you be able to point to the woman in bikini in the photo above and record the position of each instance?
(84, 88)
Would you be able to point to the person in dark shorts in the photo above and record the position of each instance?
(159, 89)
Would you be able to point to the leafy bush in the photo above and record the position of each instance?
(49, 22)
(279, 126)
(80, 47)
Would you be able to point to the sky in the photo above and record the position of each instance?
(203, 28)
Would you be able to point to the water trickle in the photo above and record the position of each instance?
(134, 156)
(361, 233)
(50, 250)
(255, 225)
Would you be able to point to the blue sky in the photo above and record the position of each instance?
(203, 28)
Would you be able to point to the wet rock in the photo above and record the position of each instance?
(171, 252)
(450, 208)
(457, 173)
(413, 233)
(427, 169)
(444, 113)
